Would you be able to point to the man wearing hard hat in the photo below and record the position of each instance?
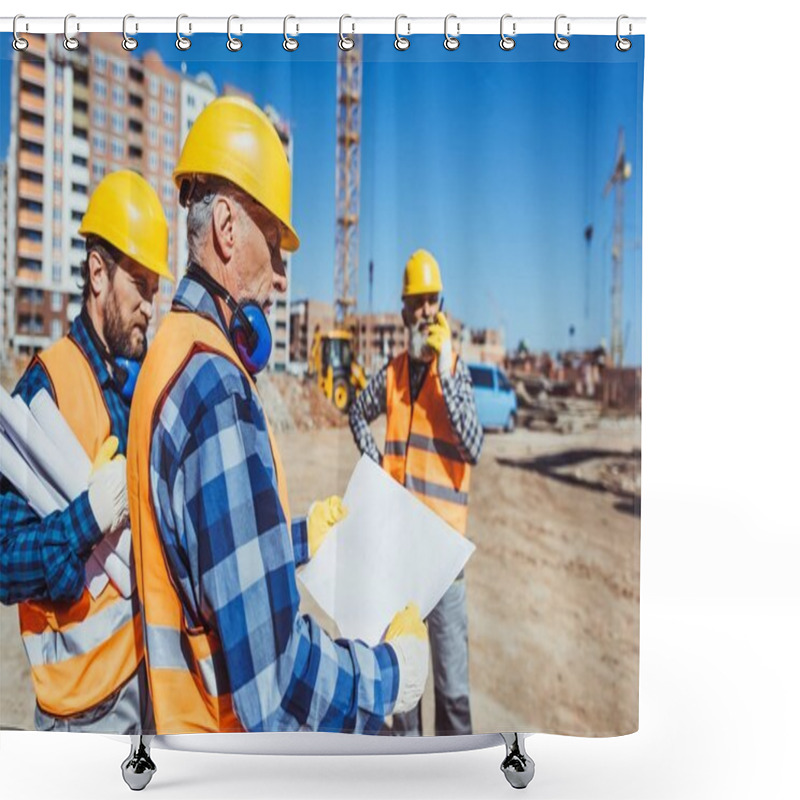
(432, 437)
(83, 637)
(214, 543)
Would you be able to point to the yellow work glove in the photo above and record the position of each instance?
(108, 487)
(440, 341)
(322, 516)
(408, 637)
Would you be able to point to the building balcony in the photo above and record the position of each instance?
(32, 161)
(31, 102)
(27, 248)
(30, 219)
(31, 189)
(32, 131)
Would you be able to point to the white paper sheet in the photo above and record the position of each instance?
(32, 442)
(391, 549)
(43, 458)
(25, 479)
(60, 435)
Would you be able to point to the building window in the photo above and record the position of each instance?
(56, 272)
(153, 162)
(100, 89)
(30, 175)
(31, 205)
(80, 106)
(119, 71)
(77, 216)
(100, 62)
(59, 100)
(99, 117)
(99, 143)
(169, 92)
(169, 141)
(169, 191)
(119, 96)
(30, 234)
(153, 86)
(117, 150)
(169, 117)
(79, 188)
(56, 301)
(56, 330)
(153, 110)
(58, 157)
(80, 133)
(169, 164)
(152, 135)
(30, 263)
(79, 161)
(98, 170)
(30, 116)
(118, 122)
(170, 214)
(76, 243)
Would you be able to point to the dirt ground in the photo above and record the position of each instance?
(553, 587)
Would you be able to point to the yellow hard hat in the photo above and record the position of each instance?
(125, 210)
(422, 274)
(233, 139)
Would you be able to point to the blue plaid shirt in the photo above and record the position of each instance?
(233, 555)
(44, 559)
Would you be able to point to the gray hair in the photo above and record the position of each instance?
(200, 207)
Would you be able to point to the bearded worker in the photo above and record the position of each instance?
(433, 436)
(83, 637)
(214, 542)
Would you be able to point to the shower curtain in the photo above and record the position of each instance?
(451, 401)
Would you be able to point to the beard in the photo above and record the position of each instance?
(418, 336)
(121, 339)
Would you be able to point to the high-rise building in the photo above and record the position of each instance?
(47, 191)
(75, 116)
(5, 283)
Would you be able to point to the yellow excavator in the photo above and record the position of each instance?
(336, 368)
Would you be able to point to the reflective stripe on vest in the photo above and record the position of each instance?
(80, 653)
(186, 669)
(421, 449)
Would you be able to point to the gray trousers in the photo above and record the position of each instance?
(447, 631)
(126, 711)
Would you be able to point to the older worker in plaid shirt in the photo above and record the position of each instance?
(214, 544)
(433, 437)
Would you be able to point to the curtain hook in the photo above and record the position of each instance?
(507, 42)
(622, 43)
(451, 42)
(345, 42)
(19, 43)
(234, 44)
(290, 44)
(70, 42)
(561, 43)
(182, 43)
(128, 42)
(401, 42)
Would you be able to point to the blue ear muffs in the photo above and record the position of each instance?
(249, 329)
(126, 373)
(251, 336)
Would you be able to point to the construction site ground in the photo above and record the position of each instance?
(552, 588)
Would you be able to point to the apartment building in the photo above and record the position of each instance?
(75, 116)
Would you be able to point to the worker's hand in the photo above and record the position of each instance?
(322, 516)
(440, 342)
(408, 637)
(108, 487)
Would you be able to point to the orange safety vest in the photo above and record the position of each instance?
(185, 665)
(421, 450)
(80, 653)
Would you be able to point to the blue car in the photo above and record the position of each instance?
(494, 397)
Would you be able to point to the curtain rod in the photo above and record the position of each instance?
(299, 25)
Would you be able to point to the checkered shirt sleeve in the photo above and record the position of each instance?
(229, 547)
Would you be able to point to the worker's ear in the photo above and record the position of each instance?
(222, 222)
(97, 275)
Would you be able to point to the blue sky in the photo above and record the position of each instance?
(495, 161)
